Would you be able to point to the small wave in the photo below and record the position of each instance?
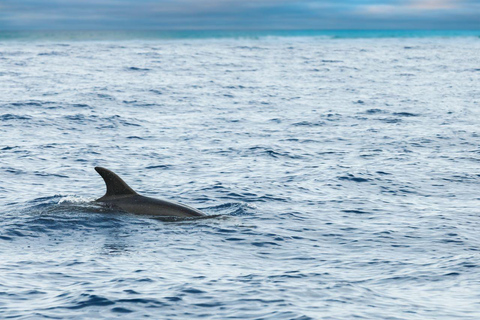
(76, 117)
(45, 174)
(27, 104)
(9, 116)
(405, 114)
(375, 111)
(60, 204)
(309, 124)
(160, 166)
(231, 209)
(88, 300)
(8, 148)
(138, 69)
(53, 53)
(355, 211)
(72, 199)
(391, 120)
(249, 48)
(351, 177)
(105, 96)
(273, 153)
(121, 310)
(80, 105)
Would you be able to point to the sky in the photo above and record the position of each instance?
(238, 14)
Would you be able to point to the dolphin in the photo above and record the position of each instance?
(119, 195)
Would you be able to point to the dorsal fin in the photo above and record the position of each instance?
(115, 185)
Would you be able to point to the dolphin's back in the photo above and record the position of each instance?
(149, 206)
(120, 195)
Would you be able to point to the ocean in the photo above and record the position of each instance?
(345, 167)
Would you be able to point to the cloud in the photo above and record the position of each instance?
(435, 4)
(237, 14)
(412, 7)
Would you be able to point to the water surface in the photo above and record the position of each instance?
(346, 170)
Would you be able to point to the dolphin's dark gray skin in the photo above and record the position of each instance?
(120, 195)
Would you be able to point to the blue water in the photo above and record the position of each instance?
(219, 34)
(346, 171)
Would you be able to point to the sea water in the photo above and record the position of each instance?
(346, 170)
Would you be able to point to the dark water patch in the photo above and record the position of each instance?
(77, 117)
(263, 301)
(264, 244)
(80, 105)
(130, 291)
(151, 302)
(235, 239)
(355, 211)
(15, 171)
(110, 122)
(258, 150)
(106, 96)
(226, 231)
(173, 299)
(28, 104)
(8, 148)
(267, 198)
(405, 114)
(332, 116)
(351, 177)
(375, 111)
(238, 87)
(309, 124)
(159, 166)
(16, 233)
(193, 291)
(128, 122)
(303, 317)
(209, 304)
(53, 53)
(391, 120)
(91, 300)
(46, 174)
(383, 173)
(121, 310)
(250, 48)
(138, 69)
(8, 116)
